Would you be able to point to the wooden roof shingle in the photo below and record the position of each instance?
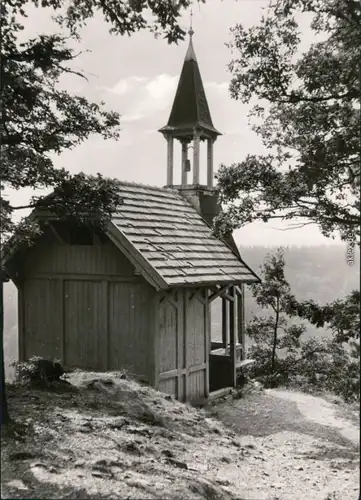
(171, 238)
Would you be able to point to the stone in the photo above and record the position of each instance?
(21, 455)
(18, 484)
(177, 463)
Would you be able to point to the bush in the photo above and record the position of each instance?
(320, 365)
(38, 370)
(282, 355)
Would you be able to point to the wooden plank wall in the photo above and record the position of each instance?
(169, 354)
(84, 305)
(48, 257)
(42, 319)
(95, 325)
(130, 327)
(183, 344)
(85, 315)
(197, 343)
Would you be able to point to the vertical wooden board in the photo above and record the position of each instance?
(142, 330)
(225, 336)
(207, 340)
(21, 324)
(195, 311)
(106, 351)
(181, 396)
(120, 334)
(154, 349)
(42, 318)
(232, 335)
(180, 345)
(209, 321)
(241, 322)
(196, 384)
(216, 319)
(85, 324)
(168, 331)
(49, 256)
(61, 320)
(169, 386)
(180, 332)
(130, 328)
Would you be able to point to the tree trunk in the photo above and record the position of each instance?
(5, 417)
(275, 335)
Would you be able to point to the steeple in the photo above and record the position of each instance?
(190, 55)
(190, 121)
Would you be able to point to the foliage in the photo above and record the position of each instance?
(342, 316)
(40, 120)
(307, 115)
(160, 18)
(282, 354)
(272, 294)
(319, 364)
(38, 370)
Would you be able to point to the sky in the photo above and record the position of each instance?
(137, 77)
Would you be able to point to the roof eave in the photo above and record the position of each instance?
(114, 234)
(188, 129)
(213, 283)
(146, 270)
(13, 245)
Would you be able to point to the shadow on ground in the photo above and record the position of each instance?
(262, 414)
(139, 429)
(49, 490)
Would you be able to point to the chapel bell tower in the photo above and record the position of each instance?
(190, 123)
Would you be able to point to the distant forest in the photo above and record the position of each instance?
(320, 273)
(314, 272)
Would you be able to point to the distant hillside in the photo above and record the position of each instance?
(320, 273)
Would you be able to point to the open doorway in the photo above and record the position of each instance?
(227, 337)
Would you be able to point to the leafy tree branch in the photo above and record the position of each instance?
(40, 120)
(307, 116)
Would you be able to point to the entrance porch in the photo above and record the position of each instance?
(228, 356)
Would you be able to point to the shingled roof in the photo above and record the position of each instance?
(166, 240)
(171, 241)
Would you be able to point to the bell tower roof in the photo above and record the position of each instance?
(190, 122)
(190, 108)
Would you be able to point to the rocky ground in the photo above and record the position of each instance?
(307, 447)
(108, 437)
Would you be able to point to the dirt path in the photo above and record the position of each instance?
(104, 436)
(321, 412)
(306, 449)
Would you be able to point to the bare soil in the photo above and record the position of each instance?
(309, 446)
(108, 437)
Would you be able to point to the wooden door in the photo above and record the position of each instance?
(42, 335)
(85, 324)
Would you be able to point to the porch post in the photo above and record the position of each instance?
(170, 159)
(241, 323)
(224, 323)
(184, 163)
(232, 336)
(209, 162)
(196, 148)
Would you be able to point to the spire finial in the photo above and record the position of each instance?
(191, 32)
(190, 55)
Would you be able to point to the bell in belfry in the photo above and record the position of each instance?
(190, 122)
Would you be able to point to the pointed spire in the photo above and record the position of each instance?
(190, 55)
(190, 107)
